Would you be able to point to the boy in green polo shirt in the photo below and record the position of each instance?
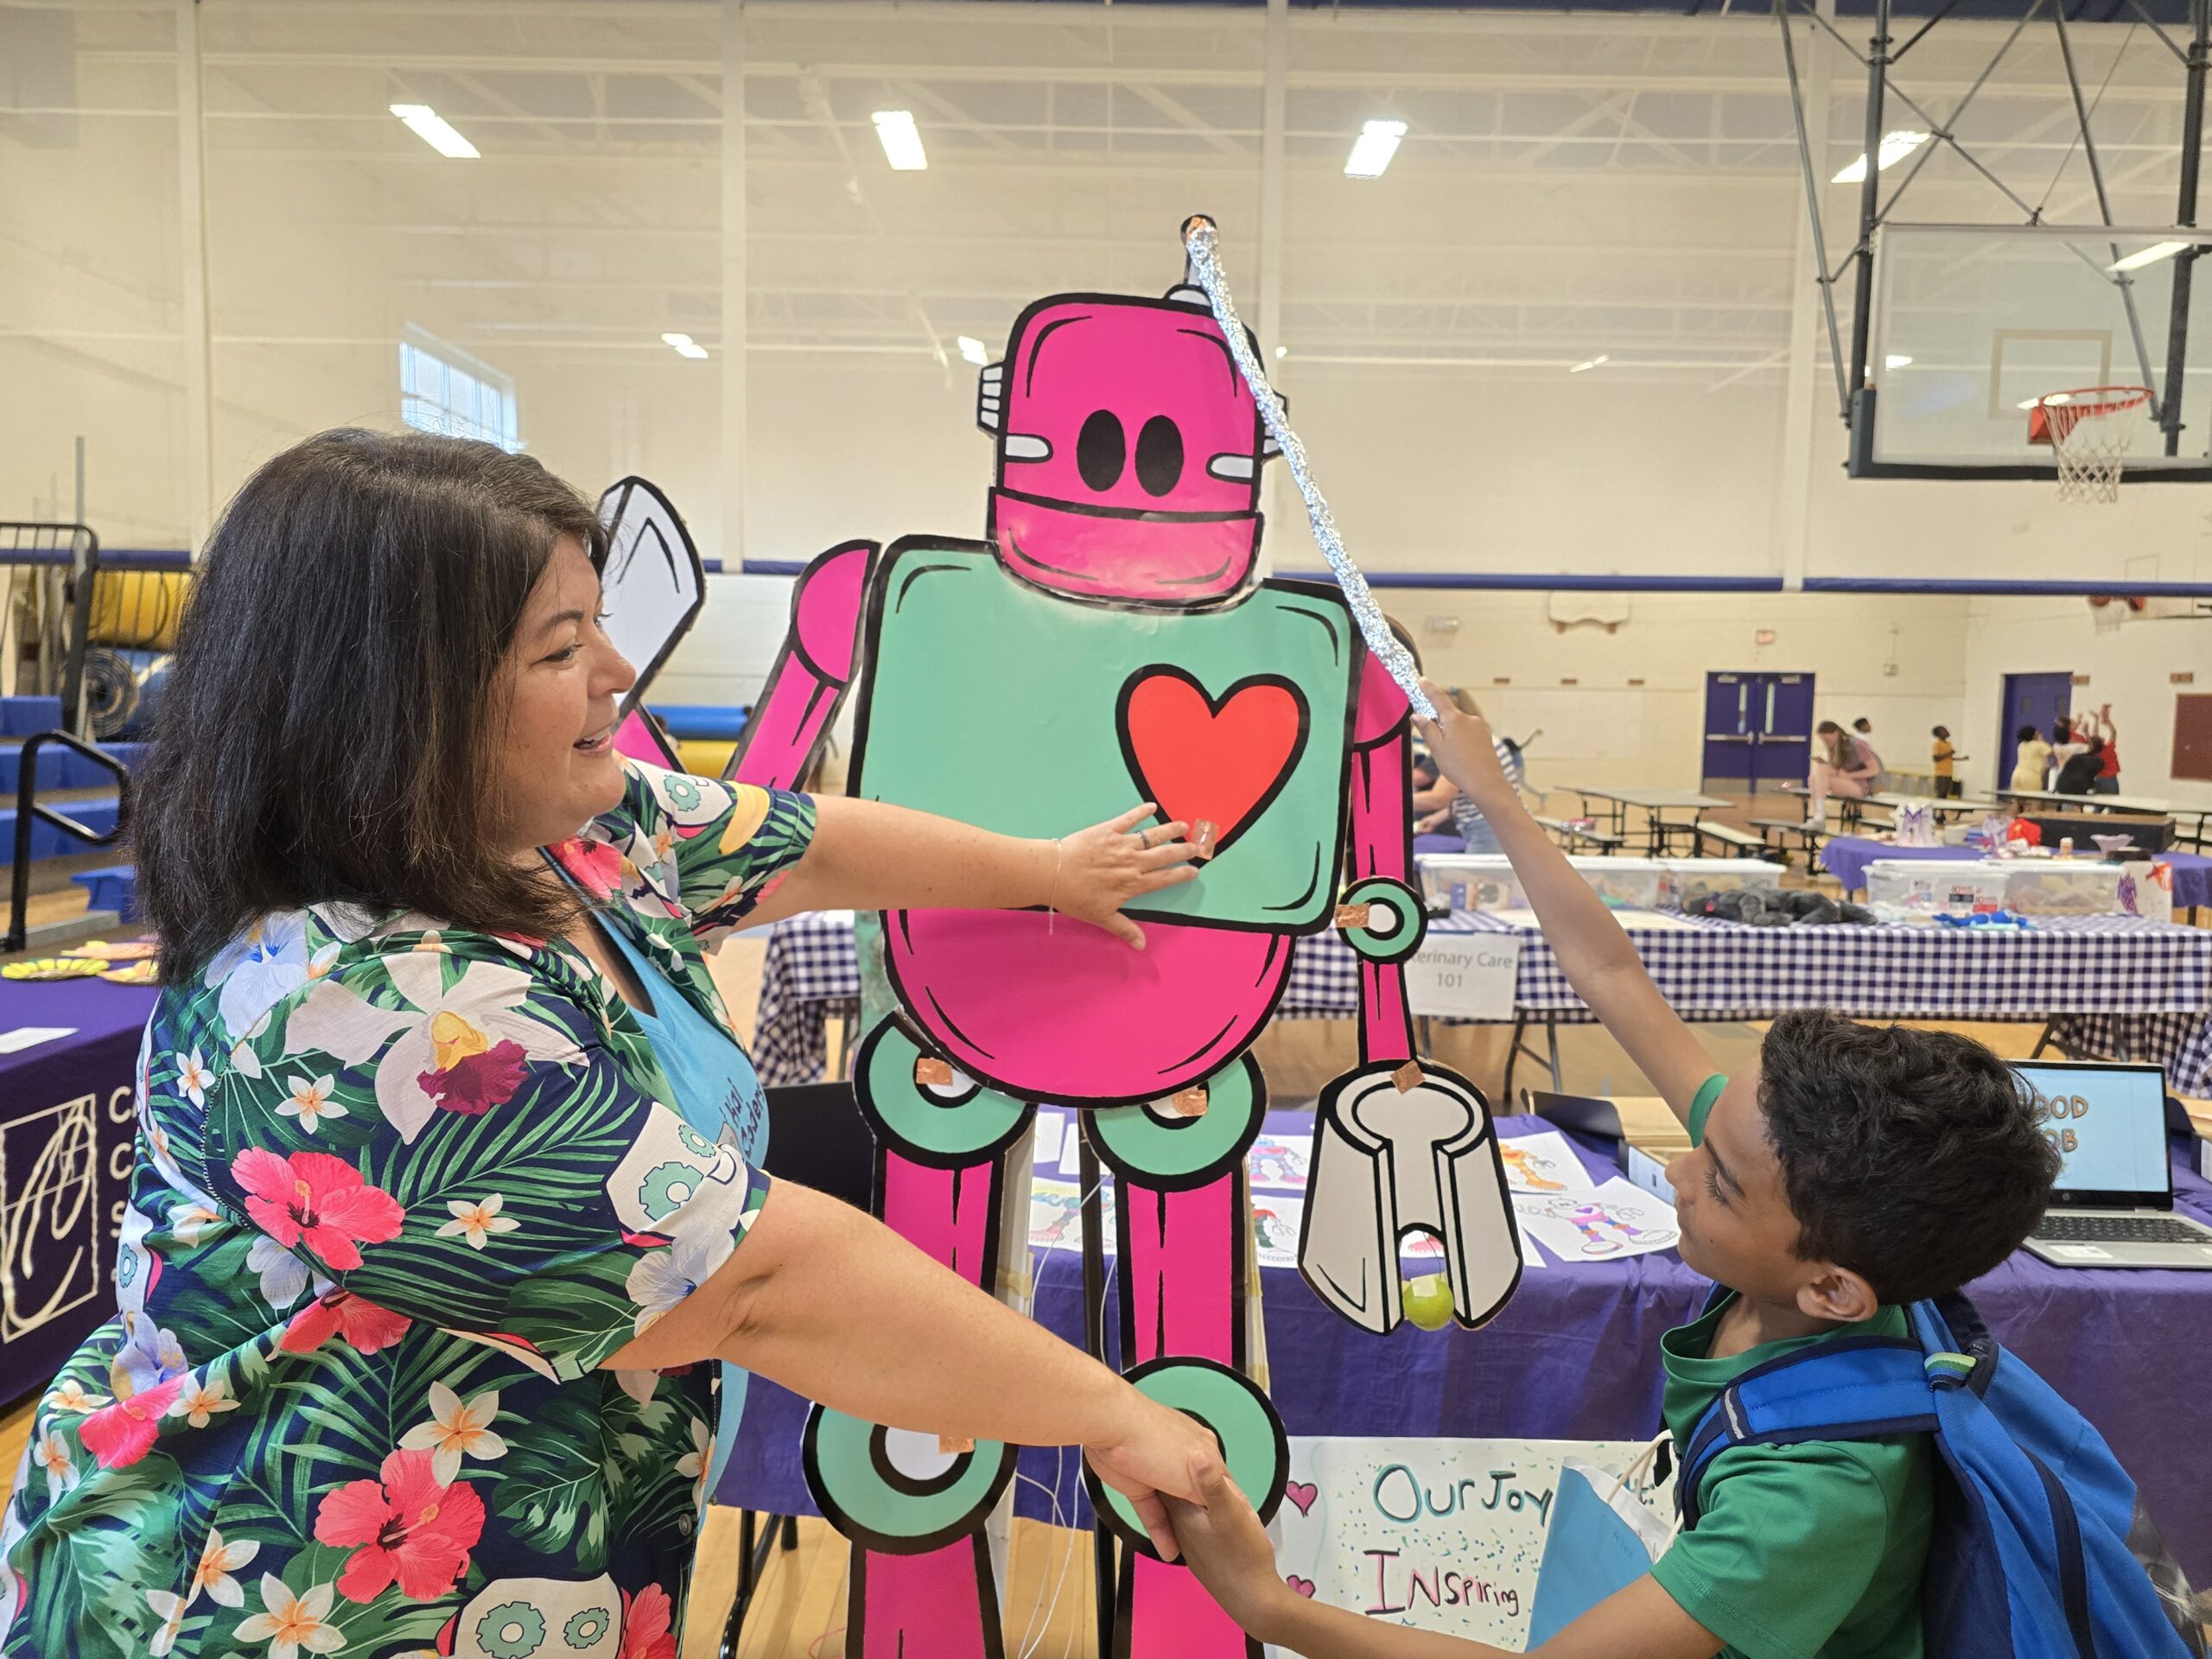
(1854, 1170)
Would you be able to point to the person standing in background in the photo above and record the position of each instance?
(2030, 760)
(1945, 761)
(2107, 781)
(2066, 741)
(1466, 817)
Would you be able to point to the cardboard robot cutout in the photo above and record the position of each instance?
(1108, 642)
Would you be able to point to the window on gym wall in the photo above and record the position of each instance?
(443, 389)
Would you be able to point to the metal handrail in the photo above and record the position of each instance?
(27, 809)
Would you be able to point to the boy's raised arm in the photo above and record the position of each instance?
(1596, 955)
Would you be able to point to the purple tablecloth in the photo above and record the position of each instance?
(1575, 1356)
(1845, 857)
(2192, 878)
(65, 1129)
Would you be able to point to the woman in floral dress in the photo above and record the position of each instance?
(421, 1276)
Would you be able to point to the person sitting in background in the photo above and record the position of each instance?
(1947, 759)
(2032, 760)
(1842, 765)
(1466, 817)
(2079, 775)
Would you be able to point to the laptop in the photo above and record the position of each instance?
(2112, 1205)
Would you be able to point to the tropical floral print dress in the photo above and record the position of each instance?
(399, 1191)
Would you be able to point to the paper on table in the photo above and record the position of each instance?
(23, 1037)
(1615, 1220)
(1544, 1162)
(1279, 1165)
(1276, 1219)
(1056, 1216)
(1052, 1129)
(1426, 1246)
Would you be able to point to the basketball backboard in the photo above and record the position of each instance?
(1972, 323)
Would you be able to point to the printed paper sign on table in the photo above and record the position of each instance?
(1616, 1219)
(1465, 975)
(1434, 1534)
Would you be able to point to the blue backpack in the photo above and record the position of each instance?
(2040, 1550)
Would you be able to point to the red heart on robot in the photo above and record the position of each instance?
(1221, 760)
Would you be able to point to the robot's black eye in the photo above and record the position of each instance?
(1159, 456)
(1100, 450)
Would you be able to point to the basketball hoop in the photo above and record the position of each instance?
(2088, 436)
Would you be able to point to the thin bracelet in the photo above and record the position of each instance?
(1055, 890)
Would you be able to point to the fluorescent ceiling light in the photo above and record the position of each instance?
(1281, 352)
(1896, 146)
(1372, 151)
(972, 349)
(902, 141)
(2150, 256)
(1896, 360)
(1584, 368)
(685, 345)
(435, 131)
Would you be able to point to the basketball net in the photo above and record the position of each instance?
(2089, 438)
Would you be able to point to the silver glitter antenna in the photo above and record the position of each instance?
(1201, 245)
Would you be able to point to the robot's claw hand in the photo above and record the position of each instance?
(1391, 1165)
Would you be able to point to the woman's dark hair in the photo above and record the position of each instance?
(1943, 732)
(2061, 731)
(1828, 727)
(329, 726)
(1917, 1159)
(2026, 735)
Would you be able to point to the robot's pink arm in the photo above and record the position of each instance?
(810, 674)
(1382, 844)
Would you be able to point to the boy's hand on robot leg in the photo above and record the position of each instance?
(1098, 870)
(1225, 1546)
(1160, 1454)
(1461, 744)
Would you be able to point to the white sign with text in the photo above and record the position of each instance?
(1465, 975)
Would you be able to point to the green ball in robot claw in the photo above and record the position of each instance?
(1427, 1299)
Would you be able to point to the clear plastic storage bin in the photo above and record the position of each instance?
(1909, 889)
(2075, 886)
(1717, 875)
(1485, 880)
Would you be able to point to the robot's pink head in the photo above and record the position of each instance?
(1128, 451)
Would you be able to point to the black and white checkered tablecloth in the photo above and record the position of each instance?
(2112, 984)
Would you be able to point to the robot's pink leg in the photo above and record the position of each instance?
(934, 1624)
(1185, 1245)
(1180, 1275)
(809, 676)
(922, 1577)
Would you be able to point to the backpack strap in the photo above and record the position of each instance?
(1851, 1388)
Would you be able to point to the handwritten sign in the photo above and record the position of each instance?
(1465, 975)
(1433, 1534)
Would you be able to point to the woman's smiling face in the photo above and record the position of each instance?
(557, 765)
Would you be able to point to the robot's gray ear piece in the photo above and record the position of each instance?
(1026, 446)
(989, 404)
(1236, 468)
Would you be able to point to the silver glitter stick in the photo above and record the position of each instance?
(1201, 242)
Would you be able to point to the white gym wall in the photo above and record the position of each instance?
(1570, 186)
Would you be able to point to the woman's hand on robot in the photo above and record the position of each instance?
(1161, 1454)
(1461, 743)
(1100, 869)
